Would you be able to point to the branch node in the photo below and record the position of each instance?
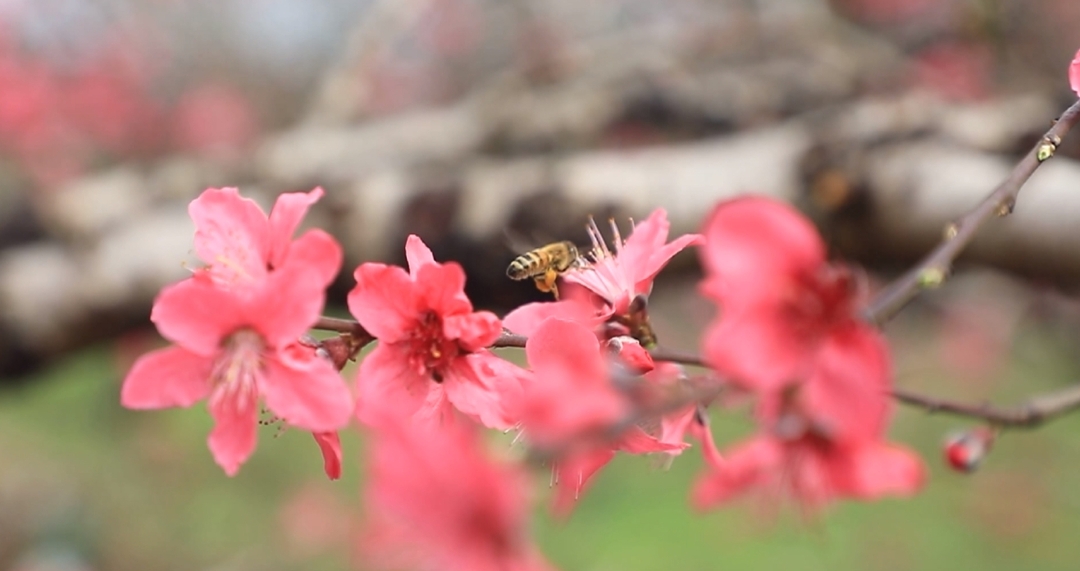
(1047, 147)
(951, 230)
(932, 277)
(1006, 207)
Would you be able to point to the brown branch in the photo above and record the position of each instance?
(1031, 414)
(671, 355)
(508, 339)
(935, 267)
(1035, 412)
(351, 327)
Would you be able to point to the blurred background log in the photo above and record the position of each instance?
(467, 122)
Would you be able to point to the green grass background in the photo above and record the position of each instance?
(138, 490)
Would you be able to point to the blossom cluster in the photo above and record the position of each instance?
(59, 116)
(438, 494)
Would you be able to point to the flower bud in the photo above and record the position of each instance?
(965, 450)
(630, 354)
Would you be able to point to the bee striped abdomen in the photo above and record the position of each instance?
(559, 257)
(526, 266)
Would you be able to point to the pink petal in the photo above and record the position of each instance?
(757, 245)
(629, 353)
(636, 441)
(573, 475)
(560, 346)
(285, 217)
(286, 305)
(167, 377)
(317, 252)
(848, 390)
(441, 287)
(232, 439)
(1074, 73)
(385, 301)
(231, 234)
(647, 237)
(877, 469)
(745, 466)
(645, 252)
(675, 426)
(330, 446)
(437, 409)
(703, 432)
(196, 315)
(485, 387)
(387, 382)
(757, 348)
(306, 390)
(417, 254)
(572, 392)
(660, 257)
(474, 331)
(525, 319)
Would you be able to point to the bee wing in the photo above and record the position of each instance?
(520, 243)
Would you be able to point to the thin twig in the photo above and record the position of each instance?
(671, 355)
(935, 267)
(508, 339)
(350, 326)
(1033, 413)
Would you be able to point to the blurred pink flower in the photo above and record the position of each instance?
(955, 71)
(810, 470)
(436, 499)
(572, 393)
(215, 119)
(781, 303)
(573, 409)
(431, 356)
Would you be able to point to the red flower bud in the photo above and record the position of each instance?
(965, 450)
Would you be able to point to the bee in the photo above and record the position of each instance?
(545, 264)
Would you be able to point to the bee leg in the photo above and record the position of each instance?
(546, 282)
(549, 279)
(542, 283)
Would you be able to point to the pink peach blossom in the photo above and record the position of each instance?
(241, 244)
(432, 356)
(573, 409)
(236, 326)
(234, 349)
(619, 276)
(781, 303)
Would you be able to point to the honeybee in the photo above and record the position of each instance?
(545, 264)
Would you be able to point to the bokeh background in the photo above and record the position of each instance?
(485, 124)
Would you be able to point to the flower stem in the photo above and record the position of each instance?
(1031, 414)
(932, 271)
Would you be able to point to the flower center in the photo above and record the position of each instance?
(430, 350)
(236, 369)
(822, 300)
